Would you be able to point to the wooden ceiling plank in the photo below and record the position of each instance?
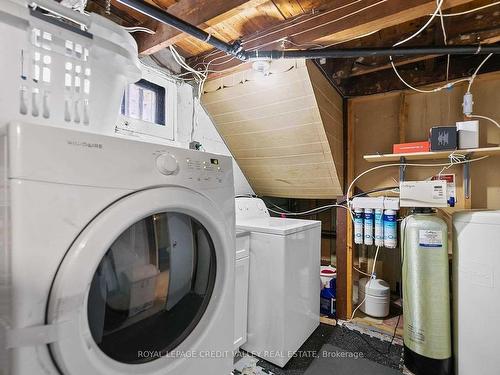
(202, 13)
(416, 75)
(345, 20)
(471, 29)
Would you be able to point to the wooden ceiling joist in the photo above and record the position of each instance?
(418, 74)
(202, 13)
(343, 20)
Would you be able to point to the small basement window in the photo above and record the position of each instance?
(144, 101)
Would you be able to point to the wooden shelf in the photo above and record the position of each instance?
(432, 155)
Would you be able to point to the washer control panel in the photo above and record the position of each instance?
(193, 167)
(204, 169)
(250, 208)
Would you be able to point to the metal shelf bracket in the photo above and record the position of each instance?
(402, 168)
(466, 169)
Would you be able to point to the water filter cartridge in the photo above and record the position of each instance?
(390, 229)
(368, 222)
(358, 226)
(379, 227)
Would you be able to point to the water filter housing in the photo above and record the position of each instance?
(358, 226)
(368, 223)
(426, 295)
(390, 231)
(379, 227)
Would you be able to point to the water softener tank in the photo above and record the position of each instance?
(426, 294)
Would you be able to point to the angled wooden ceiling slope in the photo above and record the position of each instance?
(284, 130)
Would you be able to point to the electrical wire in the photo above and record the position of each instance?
(445, 40)
(438, 8)
(394, 334)
(448, 85)
(309, 212)
(471, 10)
(136, 29)
(473, 77)
(317, 209)
(377, 190)
(454, 159)
(361, 272)
(485, 118)
(430, 165)
(367, 284)
(293, 23)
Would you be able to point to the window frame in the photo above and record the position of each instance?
(159, 91)
(140, 127)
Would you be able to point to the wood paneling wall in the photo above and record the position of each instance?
(285, 129)
(379, 123)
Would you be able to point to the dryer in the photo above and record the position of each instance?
(116, 256)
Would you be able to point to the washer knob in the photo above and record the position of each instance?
(167, 164)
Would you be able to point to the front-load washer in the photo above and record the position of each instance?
(116, 257)
(284, 282)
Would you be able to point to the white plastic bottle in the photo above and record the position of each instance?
(390, 229)
(358, 226)
(368, 222)
(379, 227)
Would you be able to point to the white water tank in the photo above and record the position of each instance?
(476, 287)
(377, 293)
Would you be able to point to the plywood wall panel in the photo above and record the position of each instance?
(377, 128)
(287, 154)
(285, 130)
(243, 113)
(330, 106)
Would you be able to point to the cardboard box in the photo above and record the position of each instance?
(406, 148)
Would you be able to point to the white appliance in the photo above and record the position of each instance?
(116, 256)
(284, 289)
(376, 295)
(241, 275)
(476, 287)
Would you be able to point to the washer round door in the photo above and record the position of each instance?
(146, 278)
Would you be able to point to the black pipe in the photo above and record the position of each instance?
(171, 20)
(236, 49)
(365, 52)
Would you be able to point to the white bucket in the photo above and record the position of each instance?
(327, 273)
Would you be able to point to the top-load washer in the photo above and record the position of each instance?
(284, 283)
(116, 256)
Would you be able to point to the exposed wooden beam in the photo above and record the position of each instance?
(481, 27)
(416, 75)
(202, 13)
(342, 21)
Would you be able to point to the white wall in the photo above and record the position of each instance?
(204, 132)
(179, 130)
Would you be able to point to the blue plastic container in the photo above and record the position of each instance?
(328, 299)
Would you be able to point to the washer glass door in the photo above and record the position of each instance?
(149, 276)
(152, 287)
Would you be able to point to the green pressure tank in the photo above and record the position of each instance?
(426, 294)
